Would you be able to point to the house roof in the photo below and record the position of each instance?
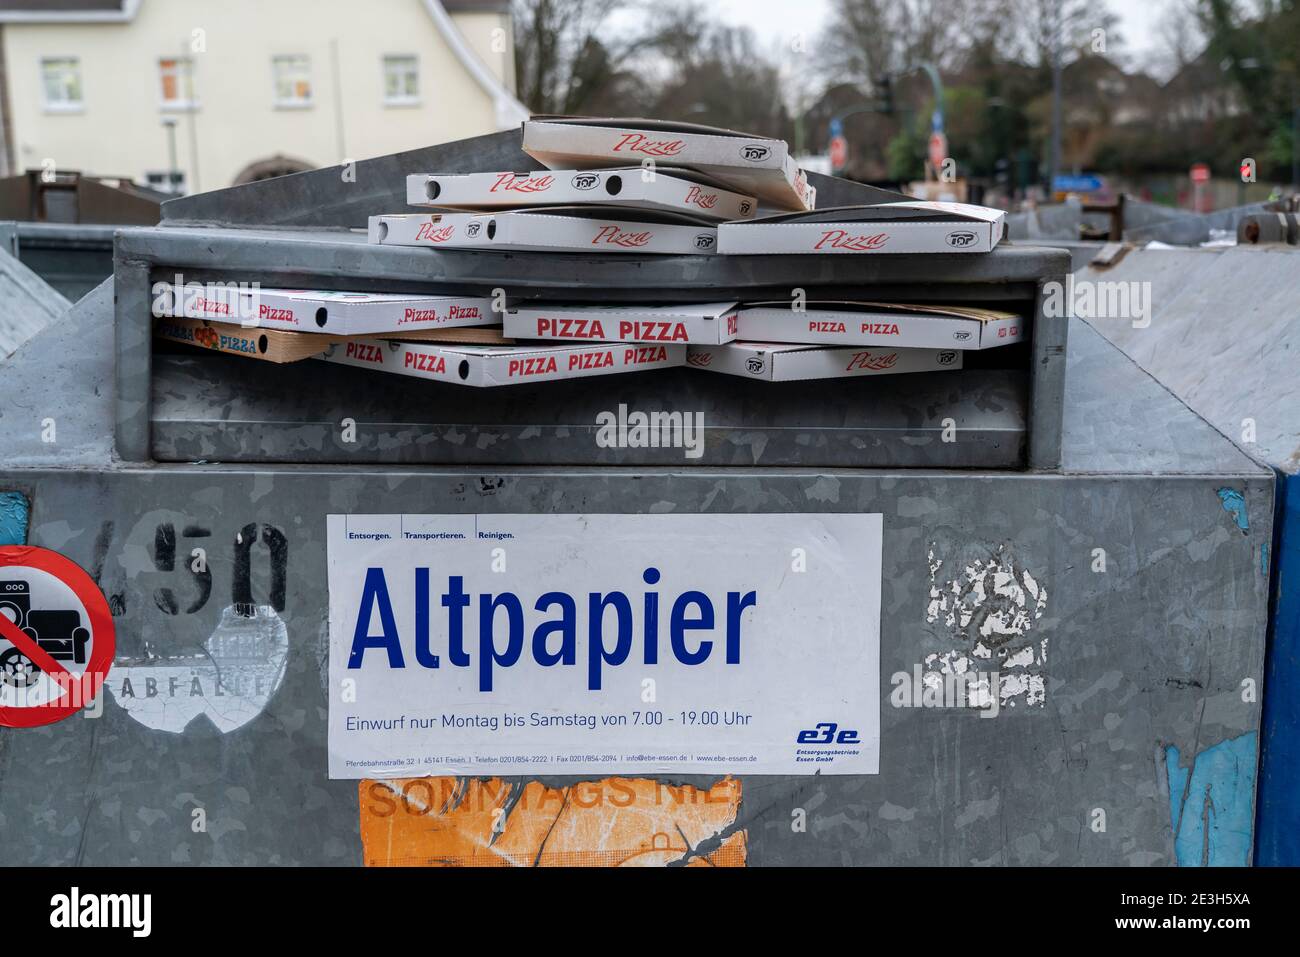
(55, 11)
(477, 6)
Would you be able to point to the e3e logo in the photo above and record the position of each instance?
(825, 734)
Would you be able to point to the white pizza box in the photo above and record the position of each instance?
(783, 362)
(880, 324)
(756, 165)
(320, 310)
(492, 365)
(709, 323)
(552, 229)
(676, 190)
(882, 228)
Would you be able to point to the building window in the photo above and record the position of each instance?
(177, 78)
(164, 182)
(292, 80)
(401, 80)
(61, 80)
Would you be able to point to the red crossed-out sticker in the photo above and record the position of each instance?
(56, 637)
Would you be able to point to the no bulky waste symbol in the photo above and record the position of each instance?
(56, 637)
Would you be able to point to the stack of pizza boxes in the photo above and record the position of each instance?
(608, 188)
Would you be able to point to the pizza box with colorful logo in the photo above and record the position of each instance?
(882, 228)
(710, 323)
(553, 229)
(756, 165)
(880, 324)
(674, 190)
(783, 362)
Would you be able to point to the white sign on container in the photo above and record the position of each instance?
(604, 644)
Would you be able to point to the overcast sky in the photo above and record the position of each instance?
(772, 21)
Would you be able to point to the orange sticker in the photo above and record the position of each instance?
(490, 822)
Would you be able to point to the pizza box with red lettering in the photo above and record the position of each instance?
(284, 345)
(709, 323)
(783, 362)
(911, 227)
(320, 310)
(676, 190)
(880, 324)
(756, 165)
(552, 229)
(491, 365)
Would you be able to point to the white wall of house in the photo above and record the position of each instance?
(118, 129)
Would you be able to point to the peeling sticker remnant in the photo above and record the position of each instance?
(231, 681)
(1234, 503)
(13, 518)
(1211, 804)
(614, 822)
(990, 607)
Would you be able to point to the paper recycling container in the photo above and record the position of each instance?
(1046, 520)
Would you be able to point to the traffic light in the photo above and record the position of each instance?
(885, 90)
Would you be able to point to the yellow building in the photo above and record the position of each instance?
(227, 91)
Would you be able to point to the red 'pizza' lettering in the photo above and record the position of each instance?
(562, 328)
(364, 352)
(613, 236)
(431, 233)
(698, 197)
(509, 182)
(425, 362)
(872, 360)
(531, 365)
(841, 239)
(879, 328)
(825, 326)
(273, 314)
(653, 331)
(643, 354)
(640, 143)
(590, 360)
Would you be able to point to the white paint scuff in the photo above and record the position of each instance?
(990, 607)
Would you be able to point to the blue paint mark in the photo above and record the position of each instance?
(1235, 505)
(13, 518)
(1277, 837)
(1212, 803)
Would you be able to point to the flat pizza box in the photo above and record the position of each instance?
(674, 190)
(709, 323)
(552, 229)
(880, 324)
(269, 345)
(781, 362)
(881, 228)
(320, 310)
(755, 165)
(283, 345)
(486, 365)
